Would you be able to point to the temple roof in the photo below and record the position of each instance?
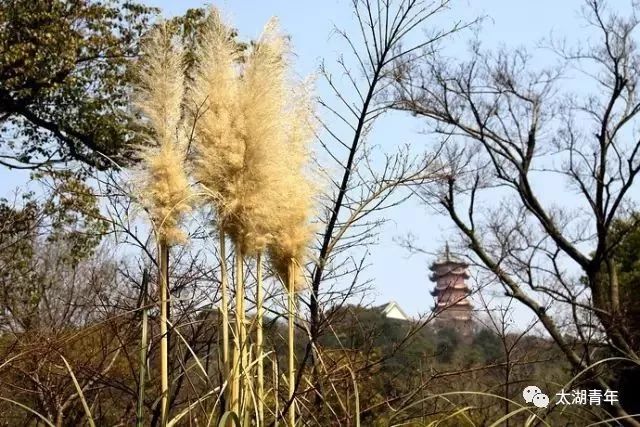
(388, 308)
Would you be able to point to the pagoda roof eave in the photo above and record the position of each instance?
(435, 276)
(454, 306)
(437, 264)
(457, 286)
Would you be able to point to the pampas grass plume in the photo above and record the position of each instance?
(165, 188)
(295, 231)
(220, 129)
(254, 209)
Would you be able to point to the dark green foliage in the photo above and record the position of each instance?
(408, 343)
(489, 345)
(63, 80)
(447, 343)
(627, 259)
(626, 255)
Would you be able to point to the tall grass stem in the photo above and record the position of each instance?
(224, 290)
(259, 339)
(163, 265)
(291, 364)
(143, 350)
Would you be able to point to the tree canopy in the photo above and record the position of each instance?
(63, 80)
(627, 261)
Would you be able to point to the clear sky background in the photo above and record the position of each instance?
(511, 23)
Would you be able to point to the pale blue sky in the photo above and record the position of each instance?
(512, 23)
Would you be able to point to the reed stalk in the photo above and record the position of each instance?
(276, 388)
(291, 364)
(242, 336)
(239, 357)
(224, 314)
(143, 350)
(163, 265)
(234, 375)
(164, 186)
(259, 339)
(287, 251)
(254, 215)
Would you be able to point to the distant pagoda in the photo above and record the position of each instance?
(453, 308)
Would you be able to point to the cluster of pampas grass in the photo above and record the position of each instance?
(164, 184)
(251, 150)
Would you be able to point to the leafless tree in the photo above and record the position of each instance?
(520, 133)
(361, 188)
(500, 322)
